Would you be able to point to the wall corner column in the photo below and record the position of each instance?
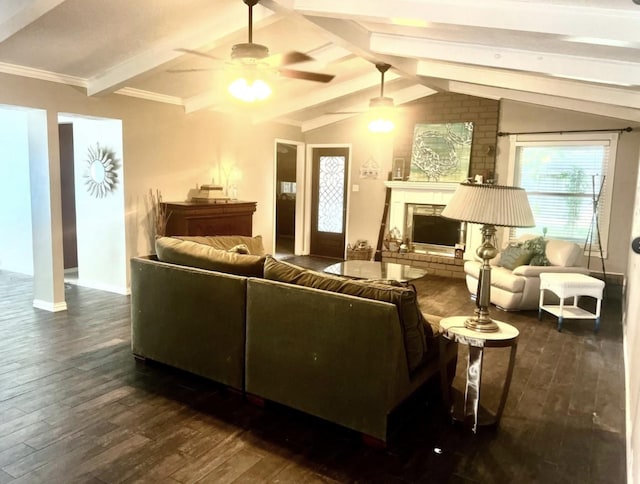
(46, 211)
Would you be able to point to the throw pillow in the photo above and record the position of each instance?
(225, 242)
(515, 255)
(538, 247)
(202, 256)
(239, 249)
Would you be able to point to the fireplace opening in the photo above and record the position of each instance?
(429, 232)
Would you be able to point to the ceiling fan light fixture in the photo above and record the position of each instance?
(381, 112)
(249, 52)
(381, 125)
(249, 91)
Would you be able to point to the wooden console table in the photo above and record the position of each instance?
(230, 217)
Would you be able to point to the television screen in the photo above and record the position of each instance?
(432, 229)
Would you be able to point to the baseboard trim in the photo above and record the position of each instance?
(50, 306)
(123, 290)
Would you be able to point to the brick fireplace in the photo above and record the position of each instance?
(425, 193)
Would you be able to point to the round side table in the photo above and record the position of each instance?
(507, 336)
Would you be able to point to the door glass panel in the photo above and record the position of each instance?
(331, 194)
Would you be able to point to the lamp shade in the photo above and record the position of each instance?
(487, 204)
(381, 114)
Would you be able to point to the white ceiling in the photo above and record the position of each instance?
(581, 55)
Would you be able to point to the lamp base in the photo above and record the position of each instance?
(481, 325)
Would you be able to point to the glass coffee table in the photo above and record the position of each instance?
(368, 269)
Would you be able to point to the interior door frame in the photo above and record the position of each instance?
(299, 230)
(308, 192)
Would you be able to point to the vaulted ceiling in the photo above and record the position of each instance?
(581, 55)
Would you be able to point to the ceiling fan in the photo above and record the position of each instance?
(249, 56)
(381, 108)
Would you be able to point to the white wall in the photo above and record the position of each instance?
(631, 321)
(100, 228)
(16, 251)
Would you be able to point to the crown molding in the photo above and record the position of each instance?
(150, 96)
(49, 76)
(42, 75)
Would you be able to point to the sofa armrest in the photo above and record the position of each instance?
(535, 271)
(189, 318)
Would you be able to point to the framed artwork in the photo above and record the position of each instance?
(397, 169)
(369, 169)
(441, 152)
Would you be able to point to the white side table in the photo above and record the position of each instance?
(507, 336)
(566, 285)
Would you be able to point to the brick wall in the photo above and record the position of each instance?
(453, 108)
(435, 265)
(439, 109)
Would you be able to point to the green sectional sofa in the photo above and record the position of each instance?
(346, 351)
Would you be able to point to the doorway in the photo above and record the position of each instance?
(286, 194)
(329, 201)
(68, 197)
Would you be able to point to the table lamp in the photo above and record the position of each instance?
(491, 206)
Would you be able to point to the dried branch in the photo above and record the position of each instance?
(158, 212)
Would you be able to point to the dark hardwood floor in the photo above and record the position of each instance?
(75, 407)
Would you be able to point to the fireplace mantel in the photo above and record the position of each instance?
(422, 186)
(403, 192)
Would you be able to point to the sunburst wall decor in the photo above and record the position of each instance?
(100, 171)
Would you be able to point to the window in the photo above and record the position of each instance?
(563, 176)
(331, 194)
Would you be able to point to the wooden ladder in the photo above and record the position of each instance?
(383, 223)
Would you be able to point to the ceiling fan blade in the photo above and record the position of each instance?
(174, 71)
(307, 76)
(195, 52)
(287, 58)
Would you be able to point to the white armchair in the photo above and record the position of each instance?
(519, 288)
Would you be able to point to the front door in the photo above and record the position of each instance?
(329, 201)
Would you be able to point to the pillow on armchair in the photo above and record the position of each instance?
(515, 255)
(537, 246)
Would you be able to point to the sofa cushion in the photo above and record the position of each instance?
(203, 256)
(504, 278)
(402, 296)
(515, 255)
(226, 242)
(501, 277)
